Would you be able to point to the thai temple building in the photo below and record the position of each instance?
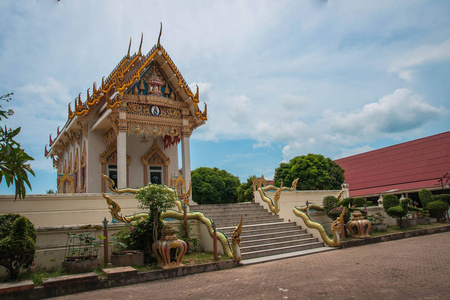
(129, 127)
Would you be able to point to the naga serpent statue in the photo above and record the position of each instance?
(335, 226)
(236, 241)
(274, 205)
(183, 199)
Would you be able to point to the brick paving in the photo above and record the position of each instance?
(413, 268)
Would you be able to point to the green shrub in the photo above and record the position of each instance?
(18, 248)
(443, 197)
(437, 209)
(425, 197)
(139, 236)
(6, 222)
(390, 201)
(359, 202)
(347, 202)
(336, 213)
(398, 211)
(330, 202)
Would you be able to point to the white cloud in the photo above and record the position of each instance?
(393, 113)
(404, 64)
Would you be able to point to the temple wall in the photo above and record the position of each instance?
(56, 215)
(94, 148)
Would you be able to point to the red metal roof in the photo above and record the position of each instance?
(403, 167)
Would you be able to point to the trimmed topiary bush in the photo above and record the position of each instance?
(359, 202)
(425, 197)
(443, 197)
(330, 202)
(6, 222)
(390, 201)
(18, 248)
(347, 202)
(336, 212)
(399, 211)
(437, 209)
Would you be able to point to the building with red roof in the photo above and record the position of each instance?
(404, 168)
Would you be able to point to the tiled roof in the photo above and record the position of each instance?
(408, 166)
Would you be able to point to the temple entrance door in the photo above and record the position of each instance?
(112, 173)
(155, 174)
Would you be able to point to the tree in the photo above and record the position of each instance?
(17, 243)
(13, 159)
(245, 190)
(214, 186)
(314, 171)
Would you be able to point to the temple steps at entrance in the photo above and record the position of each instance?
(264, 236)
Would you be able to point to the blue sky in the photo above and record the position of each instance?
(281, 78)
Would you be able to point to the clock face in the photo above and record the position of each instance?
(154, 110)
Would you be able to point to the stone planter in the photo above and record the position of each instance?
(128, 258)
(81, 265)
(423, 221)
(408, 222)
(378, 227)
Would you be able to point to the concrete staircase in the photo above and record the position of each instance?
(264, 236)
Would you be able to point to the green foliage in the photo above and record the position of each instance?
(214, 186)
(353, 202)
(315, 172)
(50, 192)
(390, 201)
(245, 191)
(6, 222)
(330, 202)
(443, 197)
(138, 235)
(83, 245)
(359, 202)
(18, 248)
(425, 197)
(437, 209)
(399, 211)
(157, 199)
(14, 167)
(192, 243)
(336, 213)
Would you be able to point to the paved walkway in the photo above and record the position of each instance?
(414, 268)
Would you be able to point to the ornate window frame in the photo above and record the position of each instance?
(155, 157)
(109, 157)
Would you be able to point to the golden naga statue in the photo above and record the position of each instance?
(335, 241)
(274, 205)
(183, 199)
(236, 242)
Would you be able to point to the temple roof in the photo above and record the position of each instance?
(122, 78)
(410, 166)
(128, 71)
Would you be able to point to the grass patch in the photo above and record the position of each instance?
(38, 277)
(396, 229)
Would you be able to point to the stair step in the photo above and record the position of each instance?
(281, 250)
(276, 239)
(284, 255)
(275, 234)
(268, 246)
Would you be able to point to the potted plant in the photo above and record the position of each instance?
(121, 256)
(81, 253)
(377, 222)
(396, 208)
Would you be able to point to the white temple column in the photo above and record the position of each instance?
(122, 160)
(122, 150)
(186, 163)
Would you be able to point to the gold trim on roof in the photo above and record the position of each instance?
(127, 72)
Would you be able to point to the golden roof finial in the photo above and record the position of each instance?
(158, 45)
(140, 46)
(129, 47)
(70, 116)
(196, 94)
(94, 88)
